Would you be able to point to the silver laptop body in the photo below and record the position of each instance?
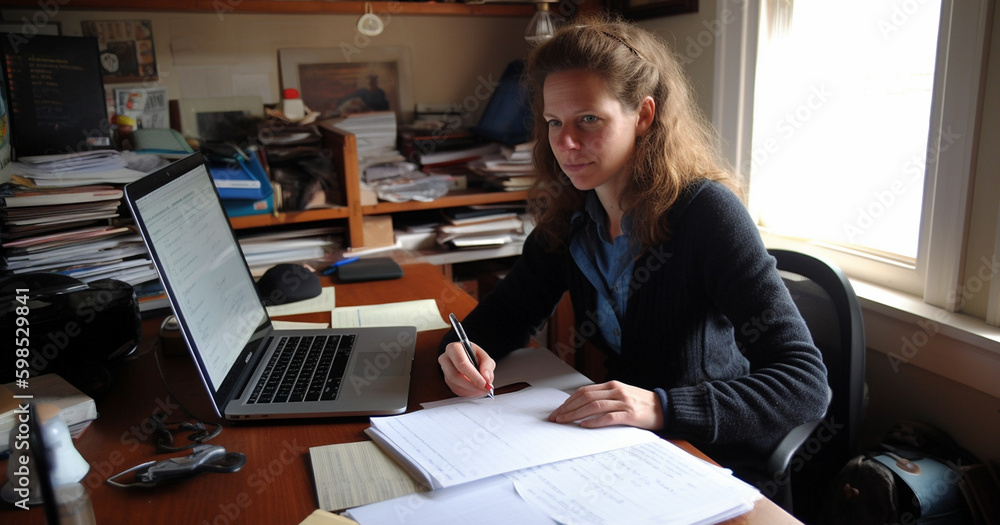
(226, 326)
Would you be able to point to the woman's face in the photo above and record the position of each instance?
(591, 134)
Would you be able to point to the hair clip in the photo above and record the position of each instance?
(624, 43)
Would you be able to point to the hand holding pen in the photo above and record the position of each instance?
(469, 352)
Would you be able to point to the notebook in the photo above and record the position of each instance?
(250, 369)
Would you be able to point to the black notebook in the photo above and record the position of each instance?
(371, 269)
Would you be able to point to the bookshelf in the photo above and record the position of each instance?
(343, 148)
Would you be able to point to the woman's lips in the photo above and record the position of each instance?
(569, 166)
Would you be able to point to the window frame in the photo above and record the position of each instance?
(956, 104)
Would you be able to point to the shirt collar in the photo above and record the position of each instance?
(593, 209)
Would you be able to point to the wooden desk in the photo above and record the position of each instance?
(275, 486)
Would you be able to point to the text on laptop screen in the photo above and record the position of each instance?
(201, 262)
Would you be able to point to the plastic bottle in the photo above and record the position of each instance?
(291, 104)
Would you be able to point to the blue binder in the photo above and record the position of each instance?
(243, 179)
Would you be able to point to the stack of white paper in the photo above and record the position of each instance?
(480, 453)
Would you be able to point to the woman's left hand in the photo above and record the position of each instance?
(611, 403)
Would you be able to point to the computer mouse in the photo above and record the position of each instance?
(287, 283)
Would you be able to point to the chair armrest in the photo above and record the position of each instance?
(781, 456)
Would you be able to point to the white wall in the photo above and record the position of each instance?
(229, 54)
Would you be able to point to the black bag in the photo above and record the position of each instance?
(919, 476)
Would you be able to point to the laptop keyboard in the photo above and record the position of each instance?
(304, 368)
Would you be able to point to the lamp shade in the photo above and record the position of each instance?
(542, 26)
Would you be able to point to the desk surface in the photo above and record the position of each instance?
(275, 486)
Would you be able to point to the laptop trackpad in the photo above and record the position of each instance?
(372, 365)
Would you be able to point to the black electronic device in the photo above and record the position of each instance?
(55, 90)
(370, 269)
(81, 331)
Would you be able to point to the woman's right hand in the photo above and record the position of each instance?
(461, 376)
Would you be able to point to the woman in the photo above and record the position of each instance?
(639, 220)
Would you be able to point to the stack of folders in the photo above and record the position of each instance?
(480, 227)
(61, 213)
(501, 461)
(242, 183)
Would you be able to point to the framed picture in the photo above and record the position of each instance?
(126, 48)
(642, 9)
(337, 84)
(221, 119)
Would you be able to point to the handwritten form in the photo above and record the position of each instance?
(490, 501)
(653, 482)
(649, 483)
(463, 442)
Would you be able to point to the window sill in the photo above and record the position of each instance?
(912, 333)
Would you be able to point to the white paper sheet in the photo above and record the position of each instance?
(323, 302)
(491, 501)
(423, 314)
(480, 438)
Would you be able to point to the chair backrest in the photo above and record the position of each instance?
(828, 304)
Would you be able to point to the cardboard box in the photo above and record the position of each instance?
(378, 231)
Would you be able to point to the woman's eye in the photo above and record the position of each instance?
(553, 123)
(589, 119)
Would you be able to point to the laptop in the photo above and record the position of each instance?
(250, 369)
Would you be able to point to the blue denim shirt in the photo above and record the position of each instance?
(607, 263)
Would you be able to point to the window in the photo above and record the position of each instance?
(854, 125)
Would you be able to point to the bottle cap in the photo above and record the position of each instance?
(290, 93)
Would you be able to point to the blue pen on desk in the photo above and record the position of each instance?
(333, 267)
(464, 339)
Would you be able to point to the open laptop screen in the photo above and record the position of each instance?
(189, 234)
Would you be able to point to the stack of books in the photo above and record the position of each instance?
(62, 213)
(480, 227)
(264, 250)
(509, 170)
(375, 133)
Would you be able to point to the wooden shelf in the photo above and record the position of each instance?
(295, 217)
(467, 198)
(296, 7)
(343, 149)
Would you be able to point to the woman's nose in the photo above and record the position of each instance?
(565, 140)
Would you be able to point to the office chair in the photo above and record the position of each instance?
(810, 456)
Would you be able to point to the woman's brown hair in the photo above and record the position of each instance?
(678, 148)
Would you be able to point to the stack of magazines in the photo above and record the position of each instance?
(62, 213)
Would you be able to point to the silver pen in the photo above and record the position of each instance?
(464, 339)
